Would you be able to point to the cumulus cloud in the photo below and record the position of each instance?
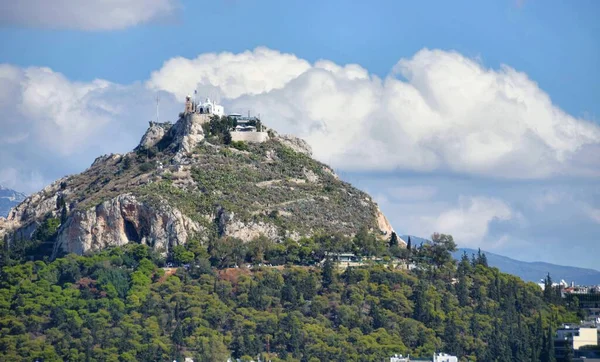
(85, 15)
(435, 111)
(469, 222)
(52, 126)
(473, 221)
(227, 74)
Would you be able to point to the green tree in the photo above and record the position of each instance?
(393, 240)
(549, 293)
(182, 255)
(227, 137)
(547, 354)
(568, 350)
(328, 276)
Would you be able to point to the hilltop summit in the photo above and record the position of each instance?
(189, 180)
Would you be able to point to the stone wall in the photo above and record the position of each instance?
(256, 137)
(201, 118)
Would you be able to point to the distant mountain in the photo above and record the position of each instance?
(8, 199)
(534, 271)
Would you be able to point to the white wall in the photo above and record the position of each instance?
(257, 137)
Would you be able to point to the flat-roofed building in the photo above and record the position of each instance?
(574, 337)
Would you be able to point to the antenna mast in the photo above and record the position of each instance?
(157, 101)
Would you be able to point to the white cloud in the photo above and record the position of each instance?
(593, 213)
(469, 222)
(473, 221)
(85, 15)
(227, 74)
(49, 108)
(449, 113)
(51, 126)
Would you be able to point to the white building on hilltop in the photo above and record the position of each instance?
(210, 107)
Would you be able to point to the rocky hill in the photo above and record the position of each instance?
(8, 199)
(186, 181)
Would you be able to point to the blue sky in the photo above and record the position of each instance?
(491, 183)
(554, 42)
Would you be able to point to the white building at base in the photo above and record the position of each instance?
(444, 357)
(437, 357)
(579, 336)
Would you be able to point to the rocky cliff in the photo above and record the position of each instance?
(181, 183)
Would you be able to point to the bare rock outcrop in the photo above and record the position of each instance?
(154, 134)
(37, 205)
(188, 132)
(182, 136)
(296, 144)
(228, 226)
(252, 230)
(24, 218)
(385, 227)
(122, 220)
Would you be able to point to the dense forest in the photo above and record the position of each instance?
(281, 301)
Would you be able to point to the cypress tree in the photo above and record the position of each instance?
(569, 350)
(537, 339)
(484, 261)
(394, 240)
(327, 273)
(548, 289)
(548, 347)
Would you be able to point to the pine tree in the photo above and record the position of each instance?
(409, 244)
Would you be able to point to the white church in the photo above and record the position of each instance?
(210, 107)
(207, 107)
(245, 129)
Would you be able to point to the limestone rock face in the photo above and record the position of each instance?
(296, 144)
(154, 134)
(188, 132)
(229, 226)
(123, 220)
(23, 219)
(385, 227)
(250, 231)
